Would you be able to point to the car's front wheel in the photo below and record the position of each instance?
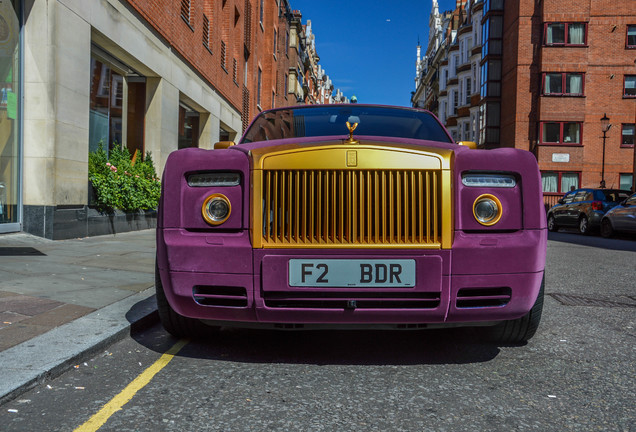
(584, 225)
(606, 228)
(174, 323)
(522, 329)
(552, 225)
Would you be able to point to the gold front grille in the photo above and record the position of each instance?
(345, 208)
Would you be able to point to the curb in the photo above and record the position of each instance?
(47, 356)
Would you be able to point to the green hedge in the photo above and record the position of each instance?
(123, 182)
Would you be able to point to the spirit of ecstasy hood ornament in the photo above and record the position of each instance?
(351, 128)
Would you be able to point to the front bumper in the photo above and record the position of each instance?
(485, 277)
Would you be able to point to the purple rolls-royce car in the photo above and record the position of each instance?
(351, 216)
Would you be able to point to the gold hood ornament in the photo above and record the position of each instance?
(351, 128)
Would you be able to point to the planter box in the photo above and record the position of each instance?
(65, 222)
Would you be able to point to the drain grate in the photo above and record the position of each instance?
(621, 301)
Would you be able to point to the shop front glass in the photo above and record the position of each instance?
(10, 116)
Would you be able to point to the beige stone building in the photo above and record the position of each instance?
(78, 72)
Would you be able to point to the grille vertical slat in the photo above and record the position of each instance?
(351, 207)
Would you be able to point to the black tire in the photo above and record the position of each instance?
(606, 228)
(552, 225)
(519, 330)
(584, 225)
(175, 324)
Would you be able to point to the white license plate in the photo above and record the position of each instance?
(351, 273)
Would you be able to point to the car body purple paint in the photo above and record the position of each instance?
(475, 274)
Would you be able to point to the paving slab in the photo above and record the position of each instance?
(65, 299)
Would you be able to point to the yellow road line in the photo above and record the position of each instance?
(116, 403)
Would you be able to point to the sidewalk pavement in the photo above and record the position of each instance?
(61, 301)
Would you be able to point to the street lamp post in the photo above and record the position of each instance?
(605, 125)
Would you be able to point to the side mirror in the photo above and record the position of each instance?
(469, 144)
(223, 145)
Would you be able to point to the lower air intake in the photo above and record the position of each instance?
(483, 297)
(220, 296)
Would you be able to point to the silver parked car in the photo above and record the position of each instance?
(621, 218)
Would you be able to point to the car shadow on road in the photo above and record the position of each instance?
(335, 347)
(622, 243)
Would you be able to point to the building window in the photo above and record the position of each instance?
(235, 71)
(629, 87)
(258, 88)
(206, 32)
(468, 90)
(560, 133)
(559, 181)
(631, 36)
(455, 101)
(626, 181)
(627, 135)
(565, 34)
(223, 59)
(186, 12)
(275, 42)
(261, 12)
(563, 84)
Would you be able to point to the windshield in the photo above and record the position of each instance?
(331, 121)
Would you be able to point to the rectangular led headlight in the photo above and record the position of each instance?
(208, 179)
(489, 180)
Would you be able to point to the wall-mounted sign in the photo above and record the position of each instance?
(560, 157)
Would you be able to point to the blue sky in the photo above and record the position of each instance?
(368, 47)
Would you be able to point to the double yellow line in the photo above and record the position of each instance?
(116, 403)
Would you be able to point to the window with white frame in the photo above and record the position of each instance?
(468, 90)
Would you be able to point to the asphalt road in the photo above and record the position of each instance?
(577, 374)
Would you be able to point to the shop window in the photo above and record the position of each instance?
(563, 84)
(109, 117)
(106, 110)
(565, 34)
(559, 181)
(10, 116)
(627, 135)
(188, 127)
(135, 116)
(629, 86)
(631, 36)
(560, 133)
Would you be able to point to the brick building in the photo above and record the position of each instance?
(151, 75)
(547, 73)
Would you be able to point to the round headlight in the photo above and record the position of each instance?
(216, 209)
(487, 209)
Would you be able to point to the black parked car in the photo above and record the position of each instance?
(584, 208)
(621, 218)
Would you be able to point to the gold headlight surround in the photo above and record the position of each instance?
(209, 218)
(496, 201)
